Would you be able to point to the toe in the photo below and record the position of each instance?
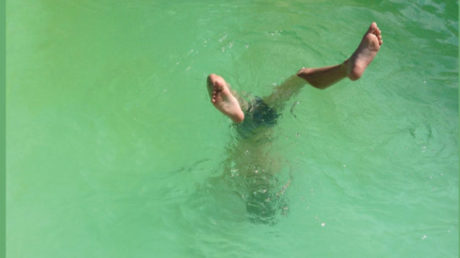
(374, 29)
(375, 26)
(371, 28)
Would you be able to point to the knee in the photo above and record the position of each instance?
(302, 72)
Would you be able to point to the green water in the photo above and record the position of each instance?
(113, 149)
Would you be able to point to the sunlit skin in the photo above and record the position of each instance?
(230, 104)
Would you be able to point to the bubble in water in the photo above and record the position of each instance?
(424, 237)
(323, 224)
(234, 172)
(223, 38)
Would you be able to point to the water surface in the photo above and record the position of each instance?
(113, 149)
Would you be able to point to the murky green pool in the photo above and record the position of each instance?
(113, 149)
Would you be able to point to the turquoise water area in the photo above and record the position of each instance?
(114, 150)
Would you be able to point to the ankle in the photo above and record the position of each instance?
(351, 70)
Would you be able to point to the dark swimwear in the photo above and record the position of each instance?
(263, 201)
(257, 115)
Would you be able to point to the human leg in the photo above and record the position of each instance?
(323, 77)
(353, 67)
(284, 92)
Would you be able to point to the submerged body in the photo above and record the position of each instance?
(252, 157)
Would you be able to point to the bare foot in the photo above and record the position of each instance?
(223, 99)
(363, 56)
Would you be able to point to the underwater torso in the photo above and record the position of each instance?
(258, 117)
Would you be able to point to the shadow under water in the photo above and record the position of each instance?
(251, 167)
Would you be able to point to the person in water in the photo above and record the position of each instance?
(264, 109)
(251, 158)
